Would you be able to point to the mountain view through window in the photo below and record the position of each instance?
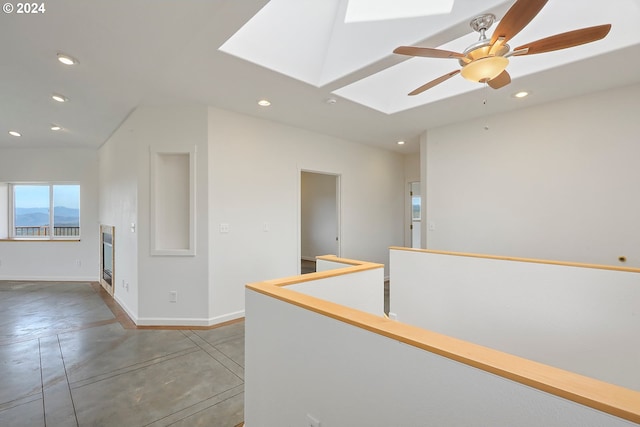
(37, 206)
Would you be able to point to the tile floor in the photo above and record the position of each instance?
(67, 360)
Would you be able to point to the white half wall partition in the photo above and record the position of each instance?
(352, 283)
(310, 361)
(578, 317)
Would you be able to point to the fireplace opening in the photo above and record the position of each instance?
(106, 258)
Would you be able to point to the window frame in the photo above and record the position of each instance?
(11, 208)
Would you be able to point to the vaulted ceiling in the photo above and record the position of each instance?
(298, 54)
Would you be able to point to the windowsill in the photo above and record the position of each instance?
(18, 239)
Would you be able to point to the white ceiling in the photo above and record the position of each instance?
(147, 52)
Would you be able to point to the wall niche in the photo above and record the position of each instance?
(173, 224)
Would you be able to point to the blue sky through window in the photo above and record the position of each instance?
(37, 196)
(67, 196)
(31, 196)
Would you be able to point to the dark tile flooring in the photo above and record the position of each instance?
(67, 360)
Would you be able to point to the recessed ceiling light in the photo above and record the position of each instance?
(264, 103)
(56, 127)
(14, 133)
(59, 98)
(521, 94)
(66, 59)
(400, 142)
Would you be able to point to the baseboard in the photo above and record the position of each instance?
(126, 309)
(50, 278)
(187, 321)
(174, 321)
(226, 317)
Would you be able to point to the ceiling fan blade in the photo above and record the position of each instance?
(501, 80)
(565, 40)
(426, 52)
(433, 83)
(516, 18)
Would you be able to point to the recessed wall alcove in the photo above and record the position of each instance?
(173, 203)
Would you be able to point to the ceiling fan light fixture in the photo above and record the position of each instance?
(484, 69)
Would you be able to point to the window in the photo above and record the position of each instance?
(44, 211)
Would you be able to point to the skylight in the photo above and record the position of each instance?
(341, 43)
(377, 10)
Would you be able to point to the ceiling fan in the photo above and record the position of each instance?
(486, 60)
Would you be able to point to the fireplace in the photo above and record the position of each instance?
(107, 258)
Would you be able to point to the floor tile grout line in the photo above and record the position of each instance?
(64, 365)
(204, 409)
(222, 340)
(23, 400)
(44, 413)
(62, 331)
(198, 403)
(212, 346)
(227, 356)
(130, 368)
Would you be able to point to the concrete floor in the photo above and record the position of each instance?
(67, 360)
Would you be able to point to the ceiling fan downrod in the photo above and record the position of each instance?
(482, 23)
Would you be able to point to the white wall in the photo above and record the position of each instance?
(318, 215)
(125, 171)
(118, 161)
(555, 181)
(583, 320)
(343, 375)
(54, 260)
(254, 178)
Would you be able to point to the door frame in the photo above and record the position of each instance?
(338, 177)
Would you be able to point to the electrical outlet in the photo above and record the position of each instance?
(312, 421)
(224, 227)
(173, 296)
(78, 263)
(126, 286)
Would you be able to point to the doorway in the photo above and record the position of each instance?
(415, 200)
(319, 217)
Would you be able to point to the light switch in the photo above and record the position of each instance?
(224, 227)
